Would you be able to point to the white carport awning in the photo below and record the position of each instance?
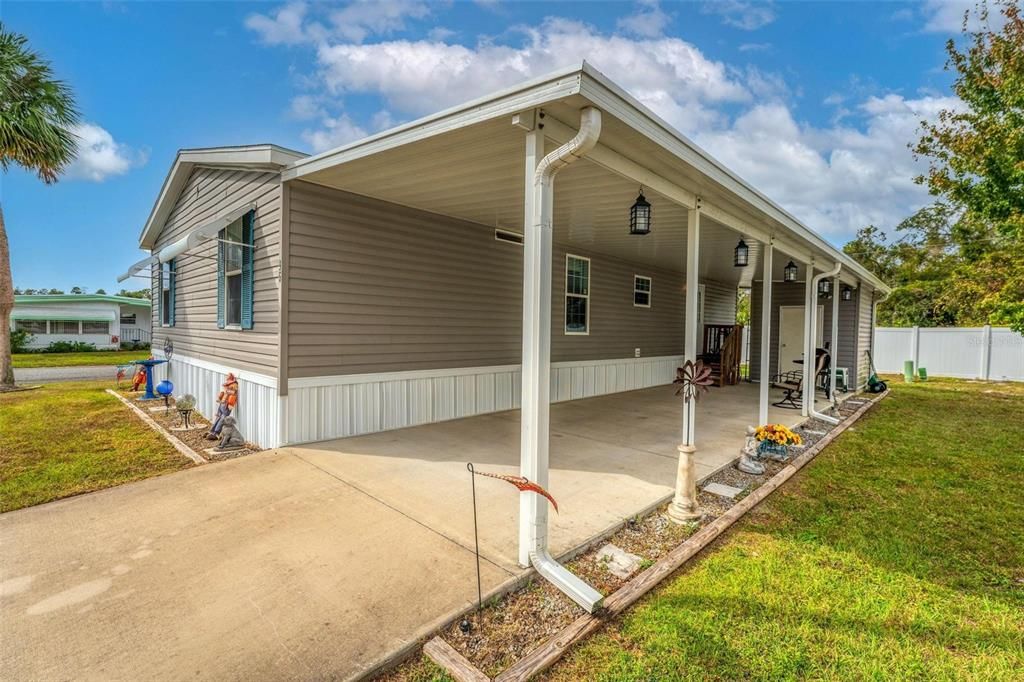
(138, 267)
(203, 233)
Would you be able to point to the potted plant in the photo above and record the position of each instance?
(773, 441)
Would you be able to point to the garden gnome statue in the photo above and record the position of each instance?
(748, 455)
(226, 401)
(231, 438)
(139, 378)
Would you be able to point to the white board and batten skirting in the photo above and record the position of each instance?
(321, 408)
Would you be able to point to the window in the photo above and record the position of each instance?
(30, 326)
(64, 327)
(95, 327)
(641, 291)
(235, 274)
(577, 295)
(128, 320)
(167, 277)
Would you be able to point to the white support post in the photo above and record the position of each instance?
(834, 362)
(529, 423)
(766, 334)
(986, 352)
(810, 309)
(684, 505)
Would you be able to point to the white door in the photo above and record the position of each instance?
(791, 333)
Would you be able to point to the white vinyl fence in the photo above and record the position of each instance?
(990, 353)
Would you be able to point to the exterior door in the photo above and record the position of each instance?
(791, 333)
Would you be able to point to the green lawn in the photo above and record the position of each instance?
(897, 554)
(100, 357)
(69, 438)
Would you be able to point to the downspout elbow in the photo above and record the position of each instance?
(814, 310)
(576, 148)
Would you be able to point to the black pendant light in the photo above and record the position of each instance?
(640, 215)
(741, 255)
(789, 272)
(825, 288)
(847, 294)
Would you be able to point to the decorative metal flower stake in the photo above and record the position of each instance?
(693, 379)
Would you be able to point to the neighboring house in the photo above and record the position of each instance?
(381, 284)
(104, 321)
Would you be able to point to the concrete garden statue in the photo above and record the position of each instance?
(227, 399)
(231, 438)
(749, 455)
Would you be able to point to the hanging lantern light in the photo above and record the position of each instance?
(789, 272)
(847, 294)
(825, 288)
(741, 255)
(640, 215)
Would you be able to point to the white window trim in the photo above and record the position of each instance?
(649, 292)
(566, 295)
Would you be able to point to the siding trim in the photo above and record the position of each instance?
(282, 289)
(241, 374)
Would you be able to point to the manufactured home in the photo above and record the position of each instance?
(405, 278)
(106, 322)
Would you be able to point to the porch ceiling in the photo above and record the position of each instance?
(476, 174)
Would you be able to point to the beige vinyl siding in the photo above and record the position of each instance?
(865, 332)
(719, 303)
(376, 287)
(792, 294)
(208, 194)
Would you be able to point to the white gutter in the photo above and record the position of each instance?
(832, 356)
(536, 399)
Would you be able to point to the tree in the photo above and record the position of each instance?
(77, 290)
(743, 307)
(37, 114)
(138, 293)
(976, 161)
(102, 292)
(52, 292)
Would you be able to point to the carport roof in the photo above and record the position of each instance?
(631, 133)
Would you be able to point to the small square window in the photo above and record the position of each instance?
(641, 291)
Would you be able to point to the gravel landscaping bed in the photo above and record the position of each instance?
(510, 627)
(195, 438)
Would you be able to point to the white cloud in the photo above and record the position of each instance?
(741, 14)
(419, 77)
(836, 177)
(100, 156)
(293, 24)
(649, 20)
(755, 47)
(334, 132)
(305, 107)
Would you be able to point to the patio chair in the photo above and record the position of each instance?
(792, 382)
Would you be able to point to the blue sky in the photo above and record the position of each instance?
(812, 102)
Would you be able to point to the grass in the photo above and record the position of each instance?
(897, 554)
(70, 438)
(100, 357)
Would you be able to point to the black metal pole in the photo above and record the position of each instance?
(476, 539)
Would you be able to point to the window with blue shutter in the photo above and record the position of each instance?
(165, 300)
(235, 274)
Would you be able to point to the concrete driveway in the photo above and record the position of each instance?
(46, 375)
(317, 561)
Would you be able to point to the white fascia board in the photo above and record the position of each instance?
(256, 157)
(612, 99)
(554, 86)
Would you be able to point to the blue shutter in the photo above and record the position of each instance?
(248, 237)
(220, 280)
(159, 293)
(173, 286)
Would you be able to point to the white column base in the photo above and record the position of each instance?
(684, 507)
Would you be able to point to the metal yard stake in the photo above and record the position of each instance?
(476, 538)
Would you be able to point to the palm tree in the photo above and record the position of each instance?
(37, 114)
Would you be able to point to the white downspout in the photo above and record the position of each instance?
(536, 397)
(813, 360)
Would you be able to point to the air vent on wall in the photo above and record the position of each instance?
(507, 236)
